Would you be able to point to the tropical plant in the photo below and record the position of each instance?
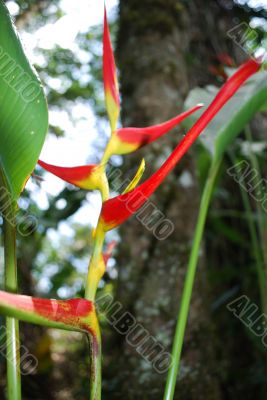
(24, 122)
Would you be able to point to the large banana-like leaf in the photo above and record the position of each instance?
(23, 110)
(230, 121)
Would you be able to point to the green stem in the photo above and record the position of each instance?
(189, 282)
(12, 324)
(95, 368)
(96, 270)
(260, 214)
(256, 248)
(96, 267)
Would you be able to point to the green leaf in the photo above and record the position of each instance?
(23, 110)
(230, 121)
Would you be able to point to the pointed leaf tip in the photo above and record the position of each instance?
(23, 110)
(88, 177)
(127, 140)
(111, 86)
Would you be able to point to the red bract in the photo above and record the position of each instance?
(74, 175)
(74, 314)
(89, 177)
(110, 78)
(226, 59)
(107, 254)
(218, 71)
(127, 140)
(117, 210)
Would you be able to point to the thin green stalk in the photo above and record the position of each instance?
(96, 267)
(260, 213)
(95, 360)
(12, 325)
(189, 282)
(254, 240)
(256, 249)
(96, 270)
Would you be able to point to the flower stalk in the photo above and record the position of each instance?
(12, 324)
(189, 282)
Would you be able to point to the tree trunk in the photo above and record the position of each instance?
(164, 49)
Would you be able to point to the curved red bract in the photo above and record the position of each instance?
(111, 86)
(109, 66)
(69, 174)
(117, 210)
(73, 312)
(143, 136)
(62, 310)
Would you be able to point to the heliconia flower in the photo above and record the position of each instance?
(98, 263)
(225, 59)
(89, 177)
(116, 210)
(111, 86)
(127, 140)
(75, 314)
(218, 71)
(109, 250)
